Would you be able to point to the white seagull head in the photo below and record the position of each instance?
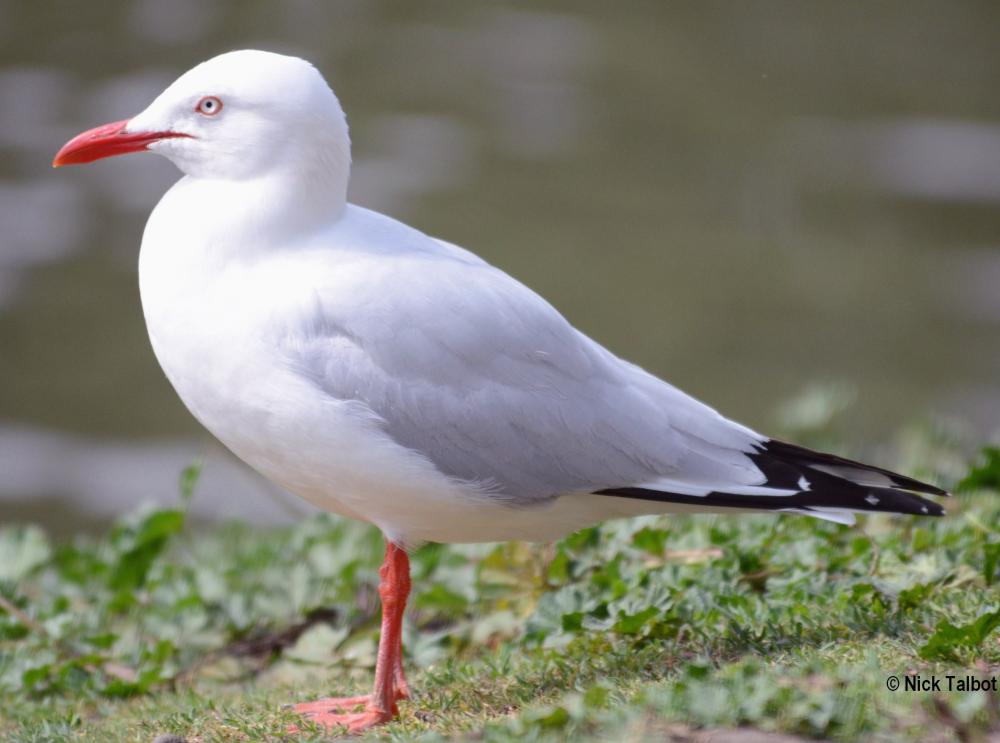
(241, 115)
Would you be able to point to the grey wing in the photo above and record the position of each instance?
(490, 383)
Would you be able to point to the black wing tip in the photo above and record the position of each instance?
(802, 456)
(809, 481)
(842, 496)
(914, 505)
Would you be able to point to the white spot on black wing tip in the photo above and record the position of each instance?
(924, 509)
(872, 499)
(804, 483)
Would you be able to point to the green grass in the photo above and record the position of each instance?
(634, 630)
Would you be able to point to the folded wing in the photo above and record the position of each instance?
(492, 385)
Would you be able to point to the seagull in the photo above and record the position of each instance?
(388, 376)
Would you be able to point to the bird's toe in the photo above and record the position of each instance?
(354, 722)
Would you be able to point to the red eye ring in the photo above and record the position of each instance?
(209, 105)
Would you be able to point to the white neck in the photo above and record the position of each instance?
(242, 216)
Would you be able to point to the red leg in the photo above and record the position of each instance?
(402, 688)
(399, 680)
(390, 685)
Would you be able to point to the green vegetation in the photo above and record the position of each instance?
(630, 631)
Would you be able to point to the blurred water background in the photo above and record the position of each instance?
(745, 198)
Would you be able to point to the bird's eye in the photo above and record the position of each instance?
(209, 105)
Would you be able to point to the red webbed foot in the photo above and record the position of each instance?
(331, 713)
